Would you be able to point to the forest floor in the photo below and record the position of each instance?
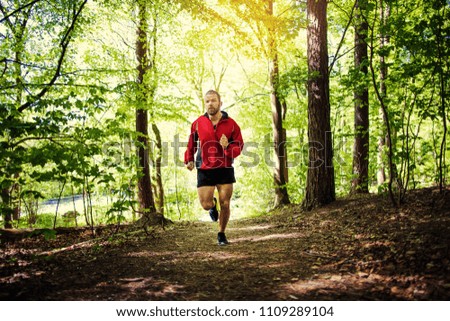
(358, 248)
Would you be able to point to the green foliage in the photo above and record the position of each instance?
(68, 97)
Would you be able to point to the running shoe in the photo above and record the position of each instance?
(222, 239)
(213, 213)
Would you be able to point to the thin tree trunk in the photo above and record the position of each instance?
(57, 204)
(18, 70)
(381, 94)
(158, 155)
(360, 183)
(145, 195)
(280, 174)
(320, 186)
(19, 31)
(442, 110)
(382, 139)
(6, 207)
(74, 207)
(159, 188)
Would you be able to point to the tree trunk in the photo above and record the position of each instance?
(320, 188)
(442, 94)
(157, 162)
(382, 139)
(280, 174)
(381, 94)
(360, 183)
(6, 207)
(19, 32)
(145, 195)
(159, 188)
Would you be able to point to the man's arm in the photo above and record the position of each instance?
(236, 145)
(191, 147)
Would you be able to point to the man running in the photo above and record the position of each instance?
(217, 140)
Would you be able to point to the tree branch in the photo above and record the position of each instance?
(6, 17)
(4, 60)
(52, 139)
(64, 44)
(330, 68)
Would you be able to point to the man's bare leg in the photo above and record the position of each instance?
(206, 196)
(225, 192)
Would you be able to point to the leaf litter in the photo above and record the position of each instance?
(357, 248)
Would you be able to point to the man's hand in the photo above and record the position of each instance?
(224, 141)
(190, 165)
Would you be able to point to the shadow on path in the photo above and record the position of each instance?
(354, 249)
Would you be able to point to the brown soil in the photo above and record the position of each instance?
(359, 248)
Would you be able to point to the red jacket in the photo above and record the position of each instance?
(210, 153)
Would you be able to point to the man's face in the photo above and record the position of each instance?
(212, 104)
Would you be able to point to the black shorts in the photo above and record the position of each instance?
(216, 176)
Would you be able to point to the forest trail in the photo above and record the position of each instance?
(359, 248)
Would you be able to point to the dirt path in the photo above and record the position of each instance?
(354, 249)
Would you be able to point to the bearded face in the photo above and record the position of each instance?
(212, 104)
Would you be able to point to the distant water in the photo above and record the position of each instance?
(69, 203)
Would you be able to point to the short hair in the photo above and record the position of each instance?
(213, 92)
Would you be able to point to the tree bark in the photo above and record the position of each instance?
(157, 164)
(320, 186)
(382, 139)
(360, 182)
(145, 195)
(280, 173)
(159, 190)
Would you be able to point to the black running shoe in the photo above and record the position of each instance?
(222, 239)
(213, 213)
